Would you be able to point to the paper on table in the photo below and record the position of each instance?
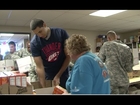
(24, 64)
(9, 65)
(2, 65)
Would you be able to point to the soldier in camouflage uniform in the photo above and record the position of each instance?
(13, 54)
(32, 72)
(119, 61)
(12, 47)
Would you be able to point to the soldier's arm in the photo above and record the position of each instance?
(101, 54)
(129, 62)
(40, 70)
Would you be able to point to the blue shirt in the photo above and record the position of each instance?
(89, 76)
(51, 51)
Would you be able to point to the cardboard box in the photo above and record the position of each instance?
(24, 64)
(37, 85)
(6, 65)
(20, 90)
(9, 65)
(3, 79)
(130, 75)
(4, 89)
(18, 79)
(55, 90)
(136, 73)
(14, 83)
(48, 91)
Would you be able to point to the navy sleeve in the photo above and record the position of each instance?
(64, 35)
(35, 51)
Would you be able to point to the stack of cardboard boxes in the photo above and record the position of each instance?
(16, 82)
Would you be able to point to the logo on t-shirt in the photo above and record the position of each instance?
(105, 75)
(52, 51)
(53, 57)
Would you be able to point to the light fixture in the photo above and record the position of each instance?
(105, 13)
(6, 34)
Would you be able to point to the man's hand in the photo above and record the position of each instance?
(56, 81)
(66, 92)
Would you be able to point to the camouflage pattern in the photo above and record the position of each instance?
(118, 59)
(32, 72)
(24, 52)
(15, 55)
(120, 90)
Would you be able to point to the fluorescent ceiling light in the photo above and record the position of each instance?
(6, 34)
(105, 13)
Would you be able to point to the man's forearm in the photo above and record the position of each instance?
(42, 82)
(64, 66)
(41, 76)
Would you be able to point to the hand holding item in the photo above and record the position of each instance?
(59, 90)
(65, 92)
(56, 81)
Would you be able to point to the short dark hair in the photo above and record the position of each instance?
(36, 23)
(12, 43)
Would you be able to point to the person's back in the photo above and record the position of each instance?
(88, 75)
(117, 55)
(93, 68)
(119, 61)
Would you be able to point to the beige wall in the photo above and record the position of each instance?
(128, 34)
(91, 36)
(14, 29)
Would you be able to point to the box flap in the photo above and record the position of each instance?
(48, 90)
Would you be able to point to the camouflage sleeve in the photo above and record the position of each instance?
(32, 74)
(8, 56)
(20, 52)
(101, 54)
(129, 61)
